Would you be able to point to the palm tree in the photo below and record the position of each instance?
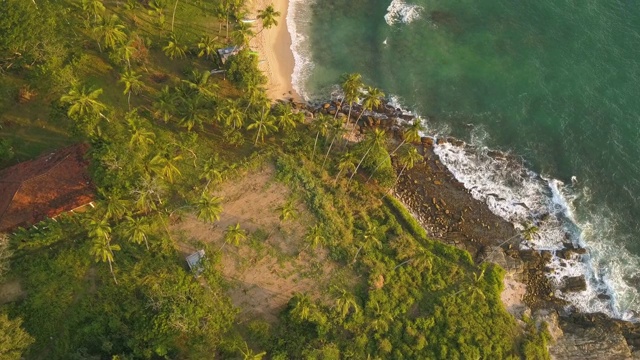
(94, 7)
(408, 158)
(269, 17)
(314, 237)
(233, 235)
(208, 46)
(124, 53)
(375, 139)
(338, 130)
(264, 124)
(132, 84)
(372, 99)
(286, 118)
(234, 117)
(209, 208)
(164, 106)
(136, 230)
(111, 32)
(192, 113)
(351, 86)
(248, 354)
(157, 10)
(345, 303)
(321, 125)
(303, 308)
(410, 134)
(83, 102)
(211, 170)
(174, 49)
(369, 239)
(242, 33)
(199, 81)
(346, 164)
(102, 250)
(149, 193)
(115, 207)
(163, 165)
(287, 211)
(140, 137)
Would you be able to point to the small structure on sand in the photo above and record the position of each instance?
(45, 187)
(195, 262)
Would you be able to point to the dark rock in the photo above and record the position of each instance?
(574, 284)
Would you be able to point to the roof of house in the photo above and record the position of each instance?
(44, 187)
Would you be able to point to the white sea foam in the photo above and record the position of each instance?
(401, 12)
(521, 196)
(298, 21)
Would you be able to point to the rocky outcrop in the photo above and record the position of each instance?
(596, 336)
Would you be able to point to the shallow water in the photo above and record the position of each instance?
(552, 82)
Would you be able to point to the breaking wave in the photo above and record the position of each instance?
(401, 12)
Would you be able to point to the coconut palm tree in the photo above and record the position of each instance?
(110, 32)
(124, 52)
(369, 239)
(352, 87)
(136, 230)
(174, 49)
(148, 193)
(411, 133)
(303, 308)
(287, 211)
(132, 84)
(248, 354)
(102, 250)
(83, 102)
(269, 17)
(234, 116)
(164, 106)
(375, 139)
(321, 126)
(264, 125)
(212, 170)
(345, 303)
(157, 11)
(140, 136)
(408, 158)
(372, 98)
(192, 112)
(287, 120)
(242, 33)
(199, 81)
(209, 208)
(314, 237)
(208, 46)
(164, 165)
(233, 235)
(93, 7)
(346, 164)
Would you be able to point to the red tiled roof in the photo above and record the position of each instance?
(45, 187)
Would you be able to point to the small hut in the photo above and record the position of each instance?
(195, 262)
(228, 51)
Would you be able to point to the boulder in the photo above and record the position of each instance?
(574, 284)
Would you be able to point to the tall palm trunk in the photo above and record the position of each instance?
(328, 151)
(360, 163)
(314, 146)
(112, 274)
(173, 17)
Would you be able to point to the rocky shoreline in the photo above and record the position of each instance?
(448, 212)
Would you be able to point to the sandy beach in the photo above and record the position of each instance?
(274, 48)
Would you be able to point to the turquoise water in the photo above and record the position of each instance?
(555, 82)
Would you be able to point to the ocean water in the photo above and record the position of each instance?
(555, 84)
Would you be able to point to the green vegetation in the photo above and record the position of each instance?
(110, 283)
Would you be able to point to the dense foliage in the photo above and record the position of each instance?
(165, 131)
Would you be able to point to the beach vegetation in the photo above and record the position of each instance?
(112, 281)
